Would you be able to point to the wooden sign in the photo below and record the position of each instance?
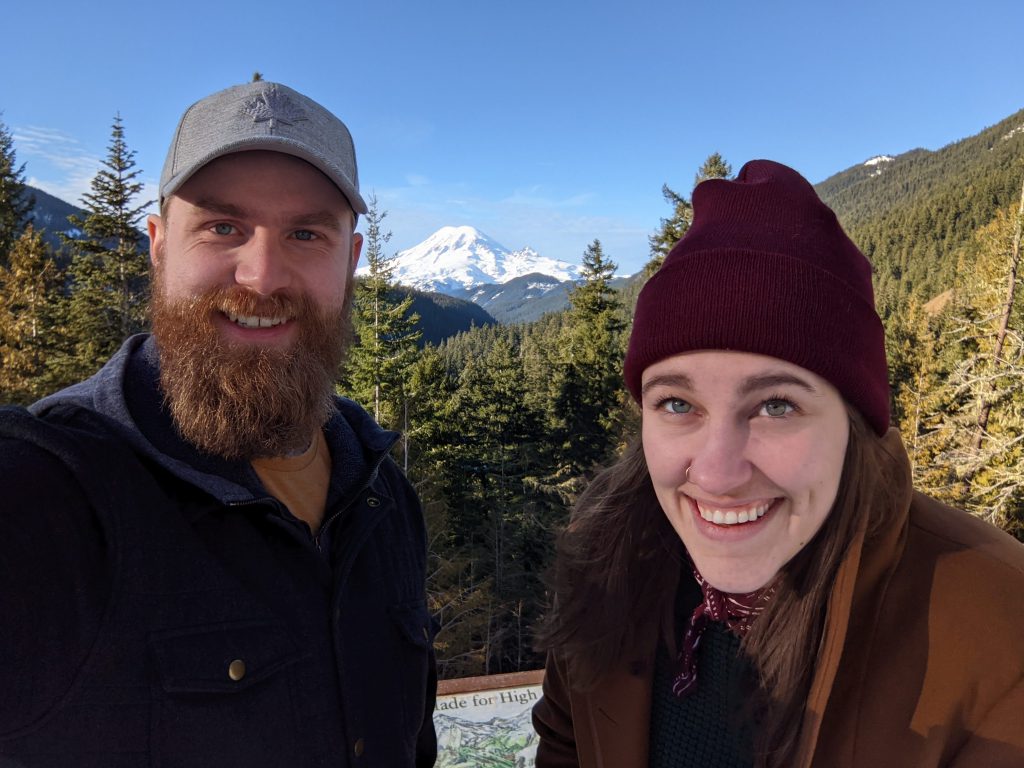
(484, 722)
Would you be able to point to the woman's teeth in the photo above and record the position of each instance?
(733, 516)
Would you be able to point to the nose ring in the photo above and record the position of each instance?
(686, 474)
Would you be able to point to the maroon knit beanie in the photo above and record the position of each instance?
(766, 268)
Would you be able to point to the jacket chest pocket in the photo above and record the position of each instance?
(223, 695)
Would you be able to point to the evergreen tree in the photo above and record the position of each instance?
(671, 230)
(917, 364)
(675, 226)
(109, 269)
(458, 596)
(497, 515)
(586, 409)
(30, 330)
(714, 167)
(15, 201)
(378, 367)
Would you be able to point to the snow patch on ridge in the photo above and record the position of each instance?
(1011, 134)
(877, 162)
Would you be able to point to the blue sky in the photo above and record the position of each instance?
(545, 124)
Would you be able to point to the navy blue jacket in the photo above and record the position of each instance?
(159, 608)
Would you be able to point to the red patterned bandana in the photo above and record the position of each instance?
(737, 612)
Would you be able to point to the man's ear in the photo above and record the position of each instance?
(357, 248)
(155, 226)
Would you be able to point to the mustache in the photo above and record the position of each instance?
(237, 300)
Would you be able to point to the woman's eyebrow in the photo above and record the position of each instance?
(668, 380)
(766, 381)
(748, 386)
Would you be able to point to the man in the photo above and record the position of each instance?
(207, 559)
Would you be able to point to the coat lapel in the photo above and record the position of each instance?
(620, 714)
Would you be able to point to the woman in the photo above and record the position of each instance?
(755, 582)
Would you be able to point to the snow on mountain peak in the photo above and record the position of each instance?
(455, 258)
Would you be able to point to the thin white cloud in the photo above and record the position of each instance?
(55, 147)
(61, 167)
(68, 167)
(533, 197)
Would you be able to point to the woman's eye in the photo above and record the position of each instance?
(673, 405)
(223, 229)
(777, 407)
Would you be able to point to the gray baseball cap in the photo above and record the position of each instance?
(267, 116)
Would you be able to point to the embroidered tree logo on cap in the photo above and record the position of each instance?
(274, 107)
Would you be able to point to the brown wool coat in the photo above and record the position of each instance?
(922, 663)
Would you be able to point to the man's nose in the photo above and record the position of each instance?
(262, 265)
(720, 464)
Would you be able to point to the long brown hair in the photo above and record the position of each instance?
(618, 564)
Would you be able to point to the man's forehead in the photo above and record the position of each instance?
(265, 159)
(222, 183)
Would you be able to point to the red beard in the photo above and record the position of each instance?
(248, 401)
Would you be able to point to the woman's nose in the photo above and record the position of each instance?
(719, 465)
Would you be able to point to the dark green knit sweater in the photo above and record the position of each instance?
(706, 729)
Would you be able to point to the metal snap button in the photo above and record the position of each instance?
(236, 670)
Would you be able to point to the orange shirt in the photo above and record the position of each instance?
(300, 482)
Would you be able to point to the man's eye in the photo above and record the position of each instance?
(777, 407)
(674, 405)
(223, 229)
(304, 234)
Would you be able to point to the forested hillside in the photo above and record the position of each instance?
(503, 424)
(913, 215)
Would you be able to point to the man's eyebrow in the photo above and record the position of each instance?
(769, 380)
(323, 218)
(668, 380)
(219, 206)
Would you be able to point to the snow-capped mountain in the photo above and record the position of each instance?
(455, 259)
